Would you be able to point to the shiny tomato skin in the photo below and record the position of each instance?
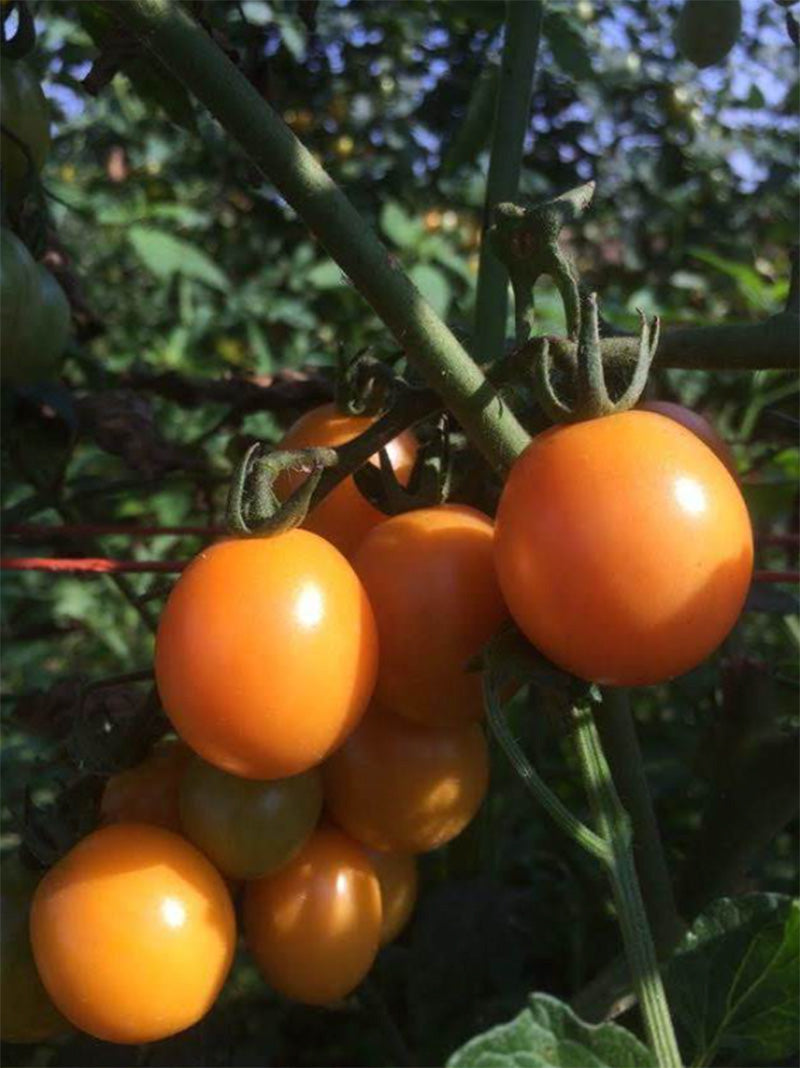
(699, 425)
(430, 577)
(401, 787)
(247, 827)
(623, 548)
(266, 654)
(345, 515)
(399, 882)
(314, 927)
(148, 792)
(27, 1013)
(133, 932)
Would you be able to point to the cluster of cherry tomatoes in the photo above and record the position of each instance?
(328, 725)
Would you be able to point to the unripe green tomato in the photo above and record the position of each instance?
(26, 1012)
(25, 114)
(707, 30)
(248, 827)
(35, 315)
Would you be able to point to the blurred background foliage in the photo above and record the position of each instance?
(181, 259)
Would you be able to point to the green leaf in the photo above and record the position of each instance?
(733, 984)
(401, 229)
(548, 1034)
(758, 293)
(568, 45)
(433, 285)
(326, 275)
(165, 256)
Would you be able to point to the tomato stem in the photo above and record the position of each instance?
(569, 823)
(168, 31)
(618, 735)
(615, 829)
(511, 123)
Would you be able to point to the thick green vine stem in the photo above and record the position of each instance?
(615, 829)
(167, 30)
(526, 241)
(591, 395)
(428, 484)
(254, 509)
(555, 808)
(511, 124)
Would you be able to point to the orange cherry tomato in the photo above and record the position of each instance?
(430, 577)
(133, 932)
(400, 787)
(266, 654)
(397, 875)
(698, 425)
(149, 792)
(344, 516)
(624, 548)
(314, 927)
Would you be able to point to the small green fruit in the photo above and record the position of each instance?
(707, 30)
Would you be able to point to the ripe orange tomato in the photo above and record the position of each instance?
(314, 927)
(149, 792)
(400, 787)
(698, 425)
(430, 577)
(133, 933)
(266, 654)
(26, 1012)
(397, 875)
(344, 516)
(624, 548)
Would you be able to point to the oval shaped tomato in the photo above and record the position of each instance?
(35, 315)
(266, 654)
(24, 112)
(430, 577)
(26, 1012)
(149, 792)
(397, 875)
(133, 932)
(345, 515)
(248, 828)
(400, 787)
(624, 548)
(699, 426)
(314, 927)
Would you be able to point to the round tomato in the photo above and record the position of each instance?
(624, 548)
(26, 1012)
(149, 792)
(266, 654)
(34, 315)
(400, 787)
(24, 112)
(397, 875)
(698, 425)
(245, 827)
(430, 577)
(344, 516)
(314, 927)
(133, 932)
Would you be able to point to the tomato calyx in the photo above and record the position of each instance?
(254, 509)
(592, 398)
(364, 384)
(428, 484)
